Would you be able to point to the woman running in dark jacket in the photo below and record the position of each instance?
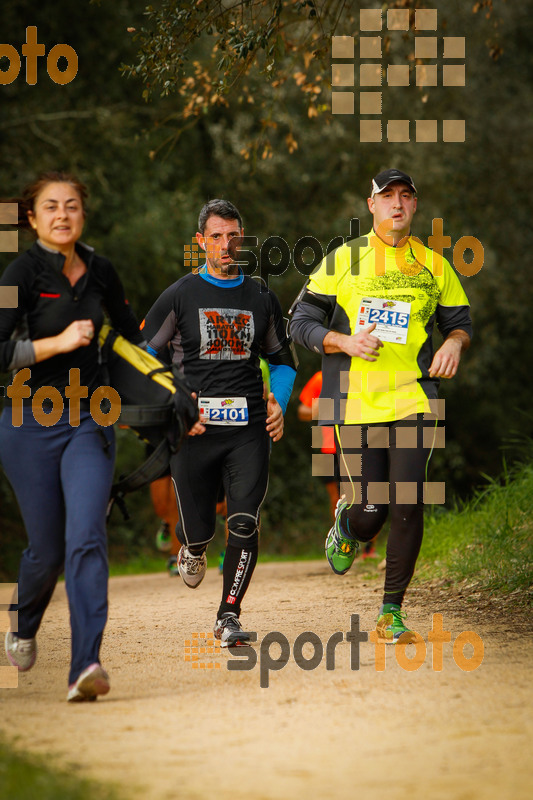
(57, 455)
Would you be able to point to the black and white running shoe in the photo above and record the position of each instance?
(229, 630)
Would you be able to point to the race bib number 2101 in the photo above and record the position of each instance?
(223, 410)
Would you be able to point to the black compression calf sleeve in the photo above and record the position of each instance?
(239, 564)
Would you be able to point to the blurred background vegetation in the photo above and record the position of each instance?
(169, 110)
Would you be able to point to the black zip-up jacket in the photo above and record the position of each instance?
(47, 304)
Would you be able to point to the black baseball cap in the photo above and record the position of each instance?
(389, 176)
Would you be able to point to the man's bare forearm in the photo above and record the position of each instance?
(333, 342)
(461, 336)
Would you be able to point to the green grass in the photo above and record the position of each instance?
(139, 565)
(25, 777)
(145, 564)
(489, 541)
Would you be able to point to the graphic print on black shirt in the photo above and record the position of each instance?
(225, 333)
(217, 335)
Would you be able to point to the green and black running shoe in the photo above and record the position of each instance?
(390, 626)
(163, 541)
(172, 566)
(340, 549)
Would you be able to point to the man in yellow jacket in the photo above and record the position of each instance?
(369, 309)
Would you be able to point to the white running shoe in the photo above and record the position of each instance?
(93, 681)
(20, 652)
(192, 568)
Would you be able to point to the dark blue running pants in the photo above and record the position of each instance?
(62, 476)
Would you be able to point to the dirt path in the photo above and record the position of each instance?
(168, 730)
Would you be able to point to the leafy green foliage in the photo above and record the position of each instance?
(242, 34)
(224, 55)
